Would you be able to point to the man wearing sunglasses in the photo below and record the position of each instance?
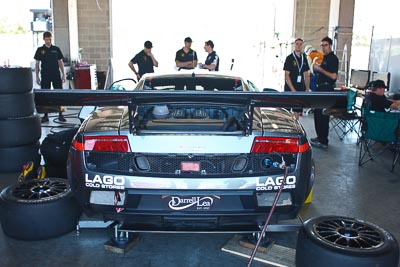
(328, 71)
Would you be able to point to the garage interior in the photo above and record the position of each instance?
(369, 192)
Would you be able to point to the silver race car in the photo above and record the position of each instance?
(190, 152)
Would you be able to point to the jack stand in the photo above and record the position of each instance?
(122, 241)
(250, 241)
(92, 222)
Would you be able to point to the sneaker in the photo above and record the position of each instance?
(318, 144)
(315, 139)
(61, 118)
(45, 119)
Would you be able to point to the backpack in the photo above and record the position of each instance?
(55, 148)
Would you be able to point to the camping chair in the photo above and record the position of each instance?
(345, 121)
(380, 131)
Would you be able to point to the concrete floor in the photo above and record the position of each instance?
(370, 192)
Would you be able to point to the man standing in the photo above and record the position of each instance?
(186, 58)
(52, 63)
(297, 72)
(212, 60)
(145, 61)
(328, 71)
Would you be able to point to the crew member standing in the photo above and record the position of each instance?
(212, 60)
(145, 61)
(52, 63)
(186, 58)
(328, 71)
(297, 72)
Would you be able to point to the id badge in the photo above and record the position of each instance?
(299, 79)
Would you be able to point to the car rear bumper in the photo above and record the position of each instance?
(239, 207)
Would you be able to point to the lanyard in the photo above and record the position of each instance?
(302, 61)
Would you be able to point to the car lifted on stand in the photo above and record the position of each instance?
(190, 152)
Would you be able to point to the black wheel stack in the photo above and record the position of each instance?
(20, 125)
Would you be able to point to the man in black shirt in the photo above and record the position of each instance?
(145, 61)
(52, 63)
(378, 100)
(212, 60)
(186, 58)
(328, 71)
(297, 72)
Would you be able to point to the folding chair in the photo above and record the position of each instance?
(380, 131)
(345, 121)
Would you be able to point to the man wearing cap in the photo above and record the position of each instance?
(378, 100)
(212, 60)
(186, 58)
(145, 61)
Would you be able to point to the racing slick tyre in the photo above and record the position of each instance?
(13, 158)
(15, 80)
(38, 209)
(347, 242)
(16, 105)
(20, 131)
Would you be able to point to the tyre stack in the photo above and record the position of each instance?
(20, 126)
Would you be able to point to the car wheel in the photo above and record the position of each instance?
(13, 158)
(15, 80)
(341, 241)
(38, 209)
(16, 105)
(20, 131)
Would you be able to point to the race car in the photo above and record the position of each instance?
(190, 152)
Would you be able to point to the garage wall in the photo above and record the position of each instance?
(312, 21)
(61, 29)
(93, 30)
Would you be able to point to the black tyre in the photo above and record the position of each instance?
(16, 105)
(20, 131)
(38, 209)
(13, 158)
(15, 80)
(347, 242)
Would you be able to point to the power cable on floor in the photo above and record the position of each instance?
(278, 194)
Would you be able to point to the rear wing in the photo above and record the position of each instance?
(134, 98)
(71, 97)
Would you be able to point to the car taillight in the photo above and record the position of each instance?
(103, 144)
(263, 144)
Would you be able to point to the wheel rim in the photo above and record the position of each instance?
(349, 234)
(40, 189)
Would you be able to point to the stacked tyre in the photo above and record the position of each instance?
(20, 126)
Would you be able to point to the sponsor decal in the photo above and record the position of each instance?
(272, 183)
(105, 181)
(200, 203)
